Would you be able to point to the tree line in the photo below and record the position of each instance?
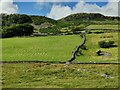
(16, 25)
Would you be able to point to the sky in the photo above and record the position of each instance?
(57, 9)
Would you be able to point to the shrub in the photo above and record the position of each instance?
(84, 47)
(104, 44)
(110, 43)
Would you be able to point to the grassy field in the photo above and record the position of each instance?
(103, 74)
(43, 75)
(111, 27)
(39, 48)
(57, 48)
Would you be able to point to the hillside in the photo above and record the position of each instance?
(38, 20)
(88, 16)
(40, 48)
(68, 25)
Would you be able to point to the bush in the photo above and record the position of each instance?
(110, 43)
(17, 30)
(84, 47)
(104, 44)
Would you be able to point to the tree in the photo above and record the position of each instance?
(17, 30)
(24, 19)
(11, 19)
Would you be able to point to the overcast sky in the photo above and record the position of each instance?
(57, 9)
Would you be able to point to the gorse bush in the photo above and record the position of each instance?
(17, 30)
(104, 44)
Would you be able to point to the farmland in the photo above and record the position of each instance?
(31, 61)
(39, 48)
(57, 48)
(109, 27)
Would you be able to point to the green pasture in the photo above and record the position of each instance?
(57, 48)
(41, 75)
(109, 27)
(39, 48)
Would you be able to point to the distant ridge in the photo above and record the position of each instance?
(88, 16)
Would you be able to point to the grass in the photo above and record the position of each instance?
(111, 27)
(92, 45)
(43, 75)
(57, 48)
(39, 48)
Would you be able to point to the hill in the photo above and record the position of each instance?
(88, 16)
(38, 20)
(68, 25)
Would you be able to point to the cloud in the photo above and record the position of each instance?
(86, 8)
(111, 9)
(58, 11)
(47, 4)
(44, 5)
(7, 6)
